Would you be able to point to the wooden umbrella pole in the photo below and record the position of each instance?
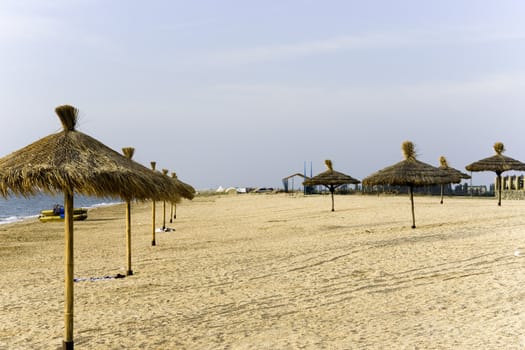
(164, 215)
(129, 272)
(165, 172)
(153, 164)
(332, 192)
(441, 193)
(153, 222)
(173, 214)
(69, 271)
(499, 189)
(128, 153)
(411, 190)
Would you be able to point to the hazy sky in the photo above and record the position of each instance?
(242, 93)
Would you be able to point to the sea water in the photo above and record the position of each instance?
(19, 208)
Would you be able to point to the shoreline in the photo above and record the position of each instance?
(20, 219)
(275, 271)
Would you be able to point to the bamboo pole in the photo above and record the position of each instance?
(128, 153)
(499, 188)
(411, 190)
(129, 271)
(332, 189)
(173, 214)
(153, 212)
(69, 270)
(165, 172)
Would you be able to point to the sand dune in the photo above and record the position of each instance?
(275, 272)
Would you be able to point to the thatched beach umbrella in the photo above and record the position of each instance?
(331, 179)
(186, 191)
(498, 163)
(409, 172)
(72, 162)
(453, 172)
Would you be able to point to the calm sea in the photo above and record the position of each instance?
(20, 208)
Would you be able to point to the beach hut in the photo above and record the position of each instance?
(453, 172)
(409, 172)
(498, 163)
(331, 179)
(71, 162)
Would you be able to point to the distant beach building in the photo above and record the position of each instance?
(463, 189)
(512, 187)
(291, 180)
(477, 190)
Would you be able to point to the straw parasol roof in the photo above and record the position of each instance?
(186, 191)
(331, 179)
(452, 172)
(498, 163)
(72, 162)
(409, 172)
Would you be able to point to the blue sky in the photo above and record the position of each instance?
(242, 93)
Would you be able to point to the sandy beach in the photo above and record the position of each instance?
(275, 271)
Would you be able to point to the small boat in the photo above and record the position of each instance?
(50, 218)
(57, 214)
(51, 212)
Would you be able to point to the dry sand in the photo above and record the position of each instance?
(275, 272)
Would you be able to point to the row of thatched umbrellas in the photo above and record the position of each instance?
(412, 173)
(72, 162)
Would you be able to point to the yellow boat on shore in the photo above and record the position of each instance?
(51, 212)
(50, 218)
(57, 214)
